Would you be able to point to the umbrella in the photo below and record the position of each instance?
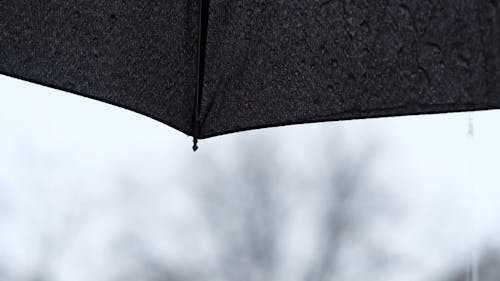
(211, 68)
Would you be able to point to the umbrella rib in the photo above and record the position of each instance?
(200, 71)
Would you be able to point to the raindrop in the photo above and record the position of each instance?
(334, 62)
(365, 26)
(95, 52)
(322, 48)
(434, 47)
(404, 11)
(470, 129)
(351, 77)
(473, 270)
(463, 61)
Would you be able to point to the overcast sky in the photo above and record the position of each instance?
(444, 167)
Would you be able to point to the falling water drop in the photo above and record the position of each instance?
(470, 130)
(473, 272)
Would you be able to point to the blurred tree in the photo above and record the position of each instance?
(488, 269)
(246, 202)
(245, 209)
(243, 213)
(146, 266)
(348, 209)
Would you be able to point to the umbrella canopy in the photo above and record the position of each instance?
(210, 68)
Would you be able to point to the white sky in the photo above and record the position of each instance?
(449, 181)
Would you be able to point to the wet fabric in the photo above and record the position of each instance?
(267, 63)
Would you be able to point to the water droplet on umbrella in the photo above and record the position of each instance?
(463, 61)
(351, 77)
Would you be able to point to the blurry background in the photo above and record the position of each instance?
(89, 191)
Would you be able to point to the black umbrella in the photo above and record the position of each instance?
(208, 69)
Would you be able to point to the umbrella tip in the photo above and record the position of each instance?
(195, 144)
